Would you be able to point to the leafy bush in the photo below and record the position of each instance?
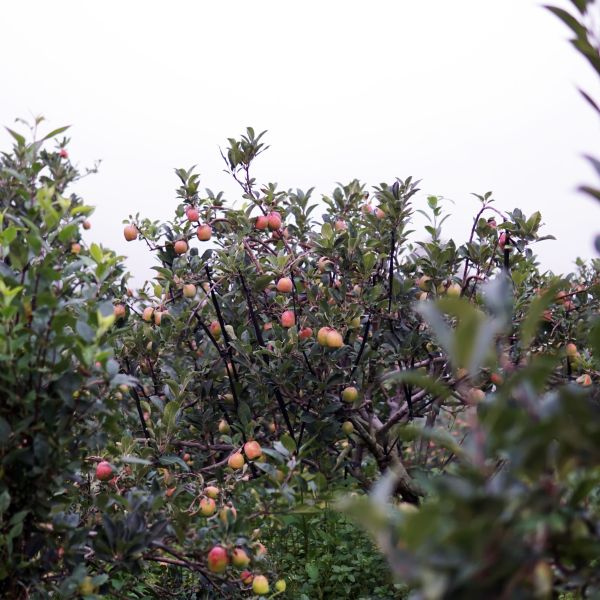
(187, 439)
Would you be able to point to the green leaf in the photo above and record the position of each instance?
(288, 443)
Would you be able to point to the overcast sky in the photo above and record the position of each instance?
(468, 95)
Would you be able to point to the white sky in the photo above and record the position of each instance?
(468, 95)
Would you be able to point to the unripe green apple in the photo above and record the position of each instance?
(280, 585)
(260, 585)
(350, 394)
(348, 427)
(454, 290)
(212, 491)
(224, 427)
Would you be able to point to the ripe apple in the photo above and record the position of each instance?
(130, 232)
(218, 559)
(246, 577)
(208, 507)
(260, 585)
(334, 339)
(274, 220)
(496, 379)
(236, 460)
(349, 394)
(180, 247)
(503, 240)
(63, 153)
(347, 427)
(119, 311)
(148, 314)
(224, 427)
(87, 224)
(584, 380)
(280, 585)
(158, 314)
(75, 248)
(379, 213)
(252, 450)
(454, 290)
(285, 285)
(170, 491)
(104, 471)
(322, 335)
(288, 318)
(262, 222)
(215, 329)
(189, 290)
(187, 456)
(192, 214)
(239, 558)
(212, 491)
(305, 333)
(204, 232)
(571, 350)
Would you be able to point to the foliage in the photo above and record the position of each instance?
(290, 351)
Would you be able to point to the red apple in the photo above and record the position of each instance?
(148, 314)
(246, 577)
(63, 153)
(340, 225)
(288, 319)
(503, 240)
(215, 329)
(180, 247)
(274, 221)
(305, 333)
(75, 248)
(104, 471)
(87, 224)
(130, 232)
(252, 450)
(218, 559)
(285, 285)
(204, 232)
(192, 214)
(262, 222)
(119, 311)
